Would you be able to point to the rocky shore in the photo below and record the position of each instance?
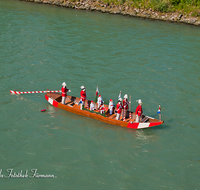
(121, 9)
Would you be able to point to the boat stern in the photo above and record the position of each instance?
(51, 101)
(134, 125)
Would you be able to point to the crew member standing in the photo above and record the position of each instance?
(119, 109)
(139, 111)
(111, 105)
(125, 106)
(99, 101)
(64, 92)
(83, 96)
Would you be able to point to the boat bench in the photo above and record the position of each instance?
(145, 119)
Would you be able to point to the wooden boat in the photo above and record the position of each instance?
(71, 105)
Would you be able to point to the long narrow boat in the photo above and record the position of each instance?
(71, 105)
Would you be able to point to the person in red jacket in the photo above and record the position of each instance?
(102, 108)
(125, 106)
(139, 111)
(119, 109)
(83, 96)
(64, 92)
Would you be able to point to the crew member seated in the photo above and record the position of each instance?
(92, 106)
(102, 108)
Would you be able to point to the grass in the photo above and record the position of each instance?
(190, 7)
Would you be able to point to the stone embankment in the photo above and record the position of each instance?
(121, 9)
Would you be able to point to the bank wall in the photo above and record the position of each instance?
(122, 10)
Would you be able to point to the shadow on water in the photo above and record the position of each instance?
(160, 127)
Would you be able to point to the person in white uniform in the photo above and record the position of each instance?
(99, 101)
(111, 105)
(92, 106)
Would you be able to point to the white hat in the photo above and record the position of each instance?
(82, 87)
(120, 100)
(139, 101)
(126, 96)
(63, 84)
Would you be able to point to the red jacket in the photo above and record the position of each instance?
(125, 104)
(83, 95)
(138, 110)
(119, 108)
(64, 91)
(102, 108)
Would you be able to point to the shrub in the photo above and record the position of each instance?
(162, 7)
(175, 2)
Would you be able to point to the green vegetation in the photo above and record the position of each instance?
(190, 7)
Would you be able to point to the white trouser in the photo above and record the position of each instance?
(82, 105)
(118, 116)
(63, 99)
(125, 113)
(98, 104)
(137, 118)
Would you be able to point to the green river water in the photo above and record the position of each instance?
(42, 46)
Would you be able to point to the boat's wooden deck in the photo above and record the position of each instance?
(73, 102)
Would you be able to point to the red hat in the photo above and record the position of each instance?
(91, 100)
(111, 100)
(99, 95)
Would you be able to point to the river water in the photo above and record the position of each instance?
(42, 46)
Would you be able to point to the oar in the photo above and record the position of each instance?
(33, 92)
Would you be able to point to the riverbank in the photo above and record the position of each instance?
(124, 9)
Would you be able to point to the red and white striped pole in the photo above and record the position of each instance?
(159, 112)
(130, 107)
(33, 92)
(124, 117)
(130, 114)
